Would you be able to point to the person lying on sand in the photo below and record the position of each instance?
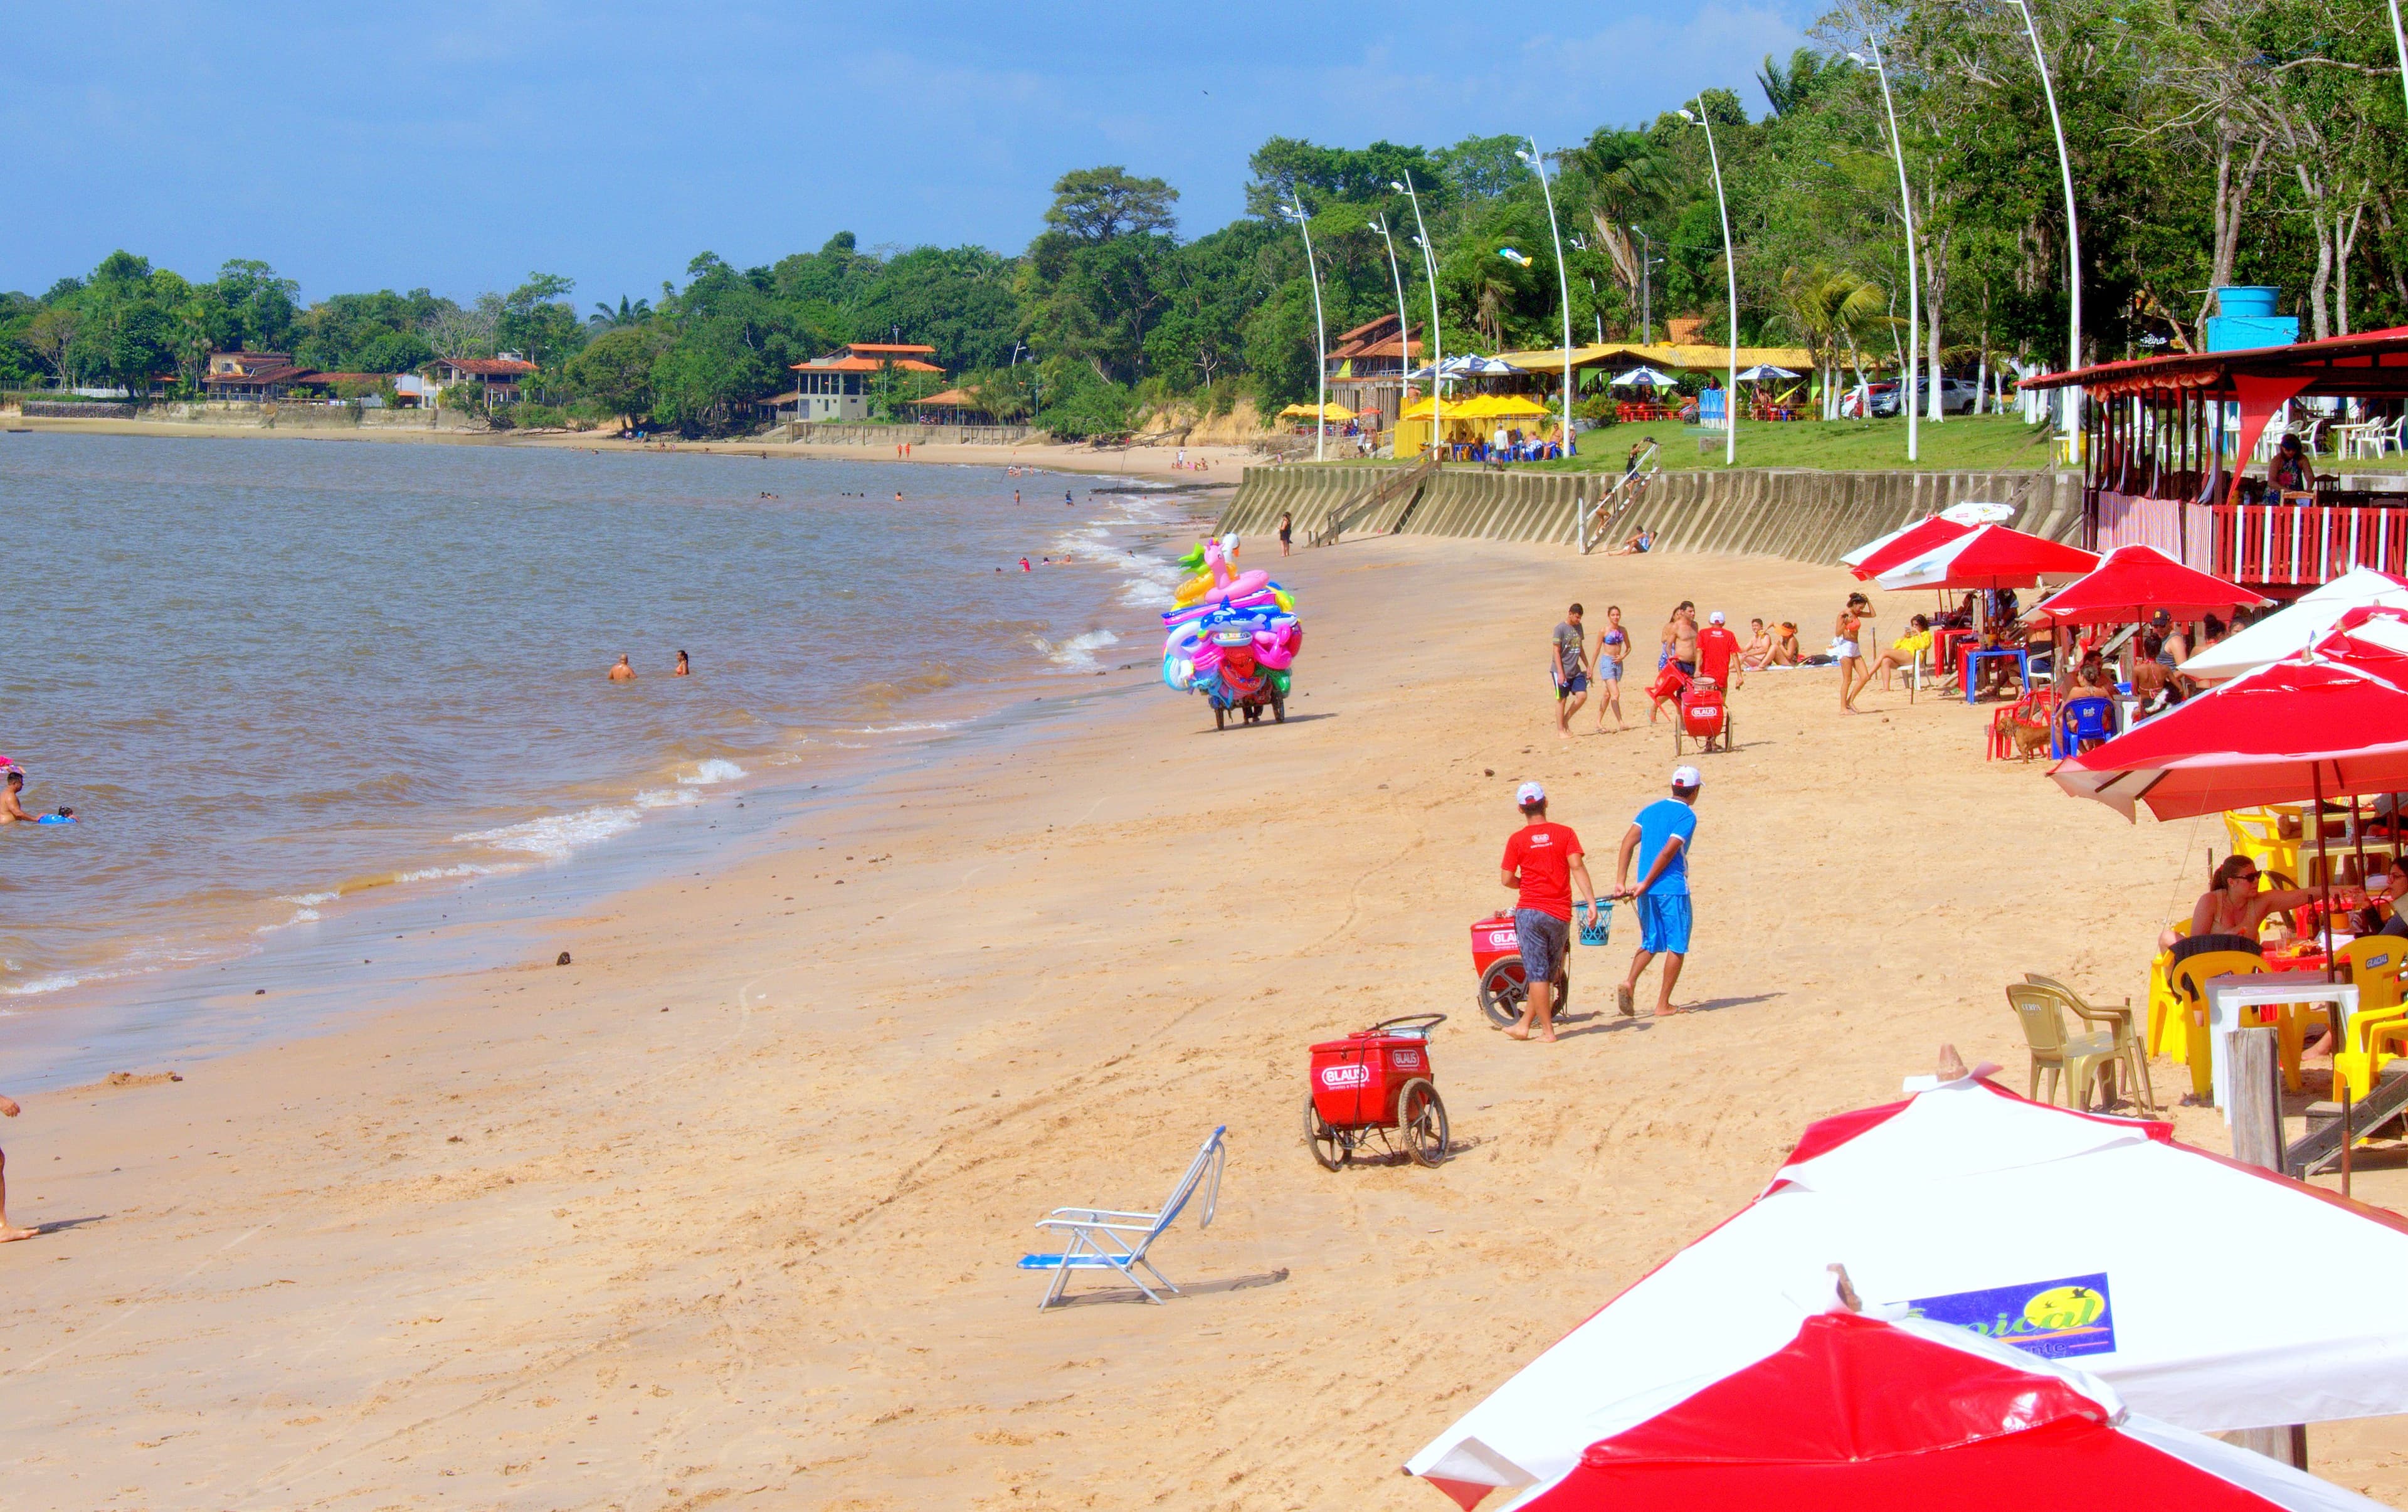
(8, 1231)
(623, 672)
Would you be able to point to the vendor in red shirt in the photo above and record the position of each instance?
(1542, 861)
(1717, 647)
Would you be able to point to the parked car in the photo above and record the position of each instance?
(1957, 396)
(1877, 399)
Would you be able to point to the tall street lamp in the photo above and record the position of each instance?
(1563, 279)
(1646, 283)
(1595, 313)
(2400, 43)
(1906, 211)
(1730, 267)
(2072, 226)
(1438, 353)
(1404, 326)
(1320, 340)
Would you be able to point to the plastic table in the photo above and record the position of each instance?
(2023, 663)
(2228, 994)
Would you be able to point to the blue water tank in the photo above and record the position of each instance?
(2247, 319)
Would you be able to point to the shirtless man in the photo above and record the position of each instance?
(623, 672)
(8, 1110)
(1680, 660)
(12, 808)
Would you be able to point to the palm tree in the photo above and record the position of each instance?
(1619, 178)
(1828, 306)
(628, 313)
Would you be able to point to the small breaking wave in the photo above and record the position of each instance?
(712, 772)
(558, 836)
(1079, 652)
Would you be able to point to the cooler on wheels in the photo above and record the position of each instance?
(1376, 1081)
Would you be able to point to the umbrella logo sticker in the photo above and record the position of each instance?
(2053, 1320)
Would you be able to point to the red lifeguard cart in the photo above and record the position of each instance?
(1705, 719)
(1376, 1082)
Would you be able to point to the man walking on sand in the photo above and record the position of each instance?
(8, 1110)
(1661, 836)
(1717, 647)
(1543, 863)
(1570, 671)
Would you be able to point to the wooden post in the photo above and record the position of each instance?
(2257, 1139)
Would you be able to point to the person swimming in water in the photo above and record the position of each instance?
(623, 672)
(12, 807)
(682, 669)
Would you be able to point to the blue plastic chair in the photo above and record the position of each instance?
(2079, 720)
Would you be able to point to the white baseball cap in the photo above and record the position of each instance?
(1529, 793)
(1714, 618)
(1685, 777)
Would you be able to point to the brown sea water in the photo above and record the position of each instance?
(277, 677)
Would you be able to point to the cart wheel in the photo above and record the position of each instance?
(1501, 992)
(1220, 717)
(1421, 1122)
(1279, 710)
(1327, 1148)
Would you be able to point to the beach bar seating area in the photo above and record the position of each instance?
(2166, 439)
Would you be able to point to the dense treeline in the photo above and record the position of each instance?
(2212, 141)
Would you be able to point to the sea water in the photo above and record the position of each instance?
(277, 677)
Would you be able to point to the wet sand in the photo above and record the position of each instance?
(725, 1213)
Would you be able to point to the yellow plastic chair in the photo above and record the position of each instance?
(2072, 1061)
(2374, 963)
(2117, 1021)
(2187, 975)
(2256, 833)
(2164, 1036)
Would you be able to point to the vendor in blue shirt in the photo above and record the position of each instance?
(1659, 838)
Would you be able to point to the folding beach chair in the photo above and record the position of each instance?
(1100, 1237)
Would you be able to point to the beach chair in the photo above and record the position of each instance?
(2187, 975)
(2165, 1036)
(2379, 1029)
(1102, 1238)
(2130, 1052)
(2073, 1061)
(2255, 833)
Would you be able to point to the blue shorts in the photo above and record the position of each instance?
(1664, 923)
(1578, 684)
(1543, 940)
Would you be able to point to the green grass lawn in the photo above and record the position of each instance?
(1960, 443)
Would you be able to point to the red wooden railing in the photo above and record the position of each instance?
(2306, 543)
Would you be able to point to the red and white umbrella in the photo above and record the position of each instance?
(1878, 556)
(1990, 556)
(2131, 582)
(1855, 1414)
(2289, 631)
(2092, 1241)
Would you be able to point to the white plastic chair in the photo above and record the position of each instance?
(1099, 1236)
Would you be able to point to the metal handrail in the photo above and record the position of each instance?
(1387, 489)
(1593, 524)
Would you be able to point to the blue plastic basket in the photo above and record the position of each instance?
(1594, 934)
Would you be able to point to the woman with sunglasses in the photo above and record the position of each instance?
(2230, 914)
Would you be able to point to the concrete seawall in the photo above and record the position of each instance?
(1805, 515)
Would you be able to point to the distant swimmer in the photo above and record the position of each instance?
(1024, 565)
(8, 1110)
(623, 672)
(1065, 499)
(898, 495)
(682, 668)
(1015, 498)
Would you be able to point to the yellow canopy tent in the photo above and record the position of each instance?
(1329, 413)
(1468, 418)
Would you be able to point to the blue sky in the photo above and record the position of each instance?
(460, 146)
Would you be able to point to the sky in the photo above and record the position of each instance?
(462, 146)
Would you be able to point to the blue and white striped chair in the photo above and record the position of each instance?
(1102, 1238)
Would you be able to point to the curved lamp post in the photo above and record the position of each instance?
(1438, 353)
(1563, 280)
(1906, 211)
(2072, 228)
(1320, 338)
(1730, 267)
(1404, 326)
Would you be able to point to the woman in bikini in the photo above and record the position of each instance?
(1847, 633)
(2230, 914)
(1612, 648)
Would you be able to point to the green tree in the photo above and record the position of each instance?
(1096, 205)
(615, 370)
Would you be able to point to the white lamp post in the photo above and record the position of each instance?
(1320, 340)
(1647, 261)
(2400, 43)
(1906, 210)
(1404, 326)
(2072, 228)
(1438, 353)
(1730, 267)
(1563, 279)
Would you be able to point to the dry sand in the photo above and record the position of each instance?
(726, 1212)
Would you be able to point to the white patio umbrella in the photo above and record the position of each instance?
(2292, 631)
(2078, 1237)
(1643, 378)
(1763, 370)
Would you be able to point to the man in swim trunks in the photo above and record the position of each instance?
(1660, 835)
(8, 1109)
(1543, 864)
(623, 672)
(1679, 659)
(1570, 671)
(12, 809)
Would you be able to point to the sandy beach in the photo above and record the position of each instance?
(725, 1212)
(1152, 457)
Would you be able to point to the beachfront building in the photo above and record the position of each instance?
(497, 379)
(1367, 368)
(951, 408)
(841, 385)
(2181, 453)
